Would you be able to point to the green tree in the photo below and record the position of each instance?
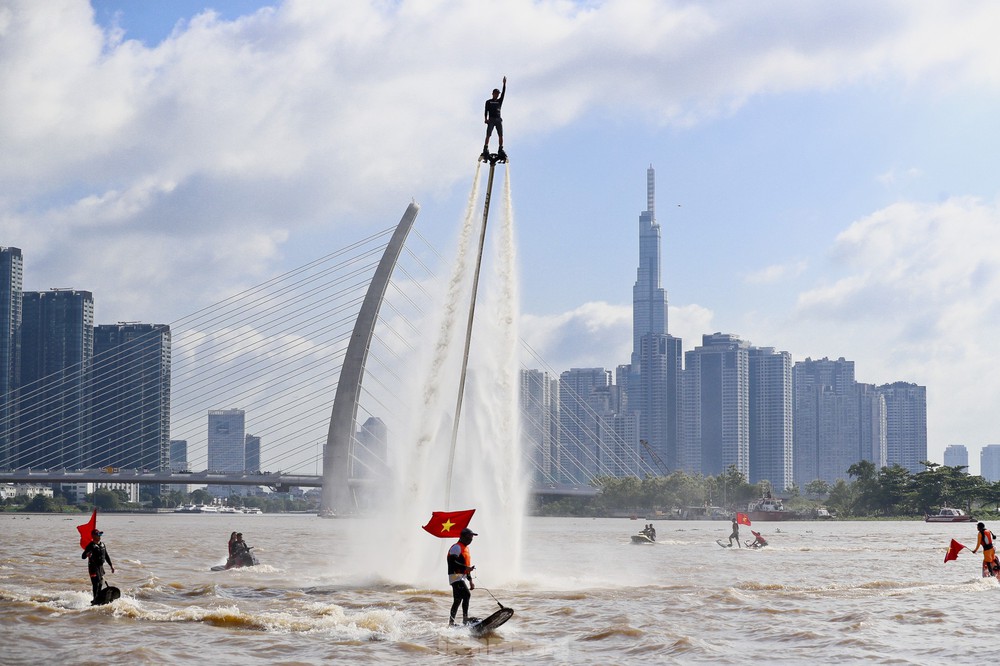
(818, 488)
(41, 504)
(105, 499)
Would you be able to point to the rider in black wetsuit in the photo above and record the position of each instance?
(96, 555)
(491, 116)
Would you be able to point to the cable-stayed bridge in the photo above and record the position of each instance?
(277, 352)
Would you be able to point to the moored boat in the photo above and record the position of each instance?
(948, 514)
(768, 508)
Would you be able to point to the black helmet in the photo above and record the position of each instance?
(468, 533)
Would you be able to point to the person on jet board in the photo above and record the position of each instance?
(96, 554)
(232, 548)
(735, 534)
(758, 540)
(459, 568)
(491, 116)
(985, 539)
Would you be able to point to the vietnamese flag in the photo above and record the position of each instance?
(86, 529)
(952, 553)
(743, 519)
(448, 524)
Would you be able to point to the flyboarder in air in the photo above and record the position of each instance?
(491, 116)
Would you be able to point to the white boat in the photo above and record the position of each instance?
(204, 508)
(184, 508)
(768, 508)
(949, 515)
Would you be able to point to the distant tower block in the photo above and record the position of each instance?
(337, 494)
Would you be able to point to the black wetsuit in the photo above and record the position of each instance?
(491, 114)
(96, 555)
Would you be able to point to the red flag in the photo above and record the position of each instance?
(743, 519)
(448, 524)
(86, 529)
(952, 553)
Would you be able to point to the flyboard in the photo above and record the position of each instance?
(479, 628)
(106, 595)
(724, 545)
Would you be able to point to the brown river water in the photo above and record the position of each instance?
(833, 592)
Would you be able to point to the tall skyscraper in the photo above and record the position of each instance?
(11, 285)
(716, 406)
(226, 445)
(989, 462)
(130, 425)
(827, 430)
(649, 299)
(906, 424)
(653, 384)
(770, 417)
(57, 348)
(956, 455)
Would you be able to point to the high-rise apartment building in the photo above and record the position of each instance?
(130, 397)
(872, 423)
(827, 425)
(226, 445)
(956, 455)
(715, 412)
(11, 286)
(539, 424)
(583, 403)
(770, 417)
(906, 424)
(57, 347)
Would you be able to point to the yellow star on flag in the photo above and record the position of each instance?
(447, 525)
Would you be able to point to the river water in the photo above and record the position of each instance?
(834, 592)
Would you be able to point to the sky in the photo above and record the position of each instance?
(825, 172)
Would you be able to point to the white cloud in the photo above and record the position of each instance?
(776, 273)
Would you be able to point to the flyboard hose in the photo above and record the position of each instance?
(468, 341)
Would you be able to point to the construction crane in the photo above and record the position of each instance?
(656, 459)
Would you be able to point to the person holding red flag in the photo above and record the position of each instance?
(96, 555)
(459, 570)
(985, 539)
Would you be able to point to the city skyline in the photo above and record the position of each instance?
(826, 179)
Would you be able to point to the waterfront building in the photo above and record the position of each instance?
(826, 420)
(251, 453)
(872, 425)
(906, 424)
(130, 398)
(226, 446)
(11, 287)
(583, 401)
(652, 382)
(539, 424)
(715, 412)
(57, 347)
(770, 404)
(179, 463)
(371, 450)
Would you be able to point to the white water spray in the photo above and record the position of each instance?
(487, 476)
